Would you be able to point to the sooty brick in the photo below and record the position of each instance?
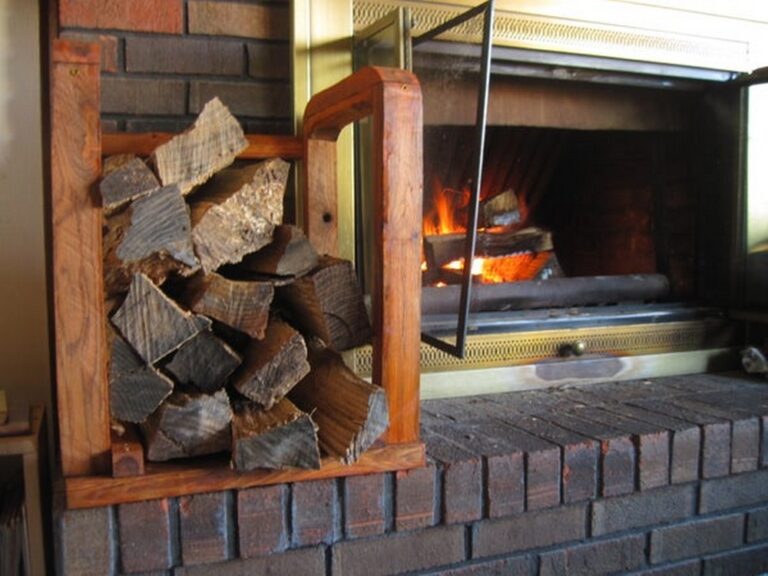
(85, 541)
(639, 510)
(415, 498)
(316, 512)
(303, 562)
(609, 556)
(746, 489)
(206, 527)
(696, 538)
(398, 553)
(757, 525)
(364, 505)
(753, 560)
(529, 530)
(262, 519)
(145, 536)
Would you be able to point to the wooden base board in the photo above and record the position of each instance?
(166, 480)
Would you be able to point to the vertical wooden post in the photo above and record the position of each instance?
(393, 98)
(78, 296)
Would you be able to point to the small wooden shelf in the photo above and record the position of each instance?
(166, 480)
(31, 447)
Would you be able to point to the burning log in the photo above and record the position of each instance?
(213, 143)
(350, 412)
(129, 179)
(273, 366)
(554, 292)
(327, 303)
(235, 213)
(444, 248)
(289, 254)
(151, 237)
(282, 437)
(189, 425)
(205, 362)
(501, 210)
(153, 323)
(135, 389)
(240, 304)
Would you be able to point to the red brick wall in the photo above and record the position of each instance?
(163, 59)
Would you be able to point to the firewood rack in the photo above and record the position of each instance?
(87, 452)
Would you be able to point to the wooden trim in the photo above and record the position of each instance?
(260, 146)
(78, 291)
(170, 480)
(393, 97)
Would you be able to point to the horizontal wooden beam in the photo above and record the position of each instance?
(259, 146)
(167, 480)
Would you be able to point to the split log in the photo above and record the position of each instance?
(152, 237)
(444, 248)
(328, 303)
(350, 412)
(126, 182)
(213, 143)
(235, 213)
(135, 389)
(240, 304)
(153, 324)
(189, 425)
(501, 210)
(205, 361)
(289, 254)
(282, 437)
(273, 366)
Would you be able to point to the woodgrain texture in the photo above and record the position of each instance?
(127, 454)
(212, 143)
(272, 366)
(260, 146)
(278, 438)
(135, 389)
(153, 324)
(165, 480)
(78, 301)
(189, 425)
(240, 304)
(289, 254)
(127, 182)
(235, 213)
(328, 303)
(350, 413)
(152, 236)
(204, 362)
(393, 97)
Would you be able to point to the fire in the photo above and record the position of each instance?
(512, 268)
(447, 207)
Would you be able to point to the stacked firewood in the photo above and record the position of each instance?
(225, 323)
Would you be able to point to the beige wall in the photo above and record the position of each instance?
(24, 359)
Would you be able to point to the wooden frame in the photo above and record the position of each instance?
(393, 98)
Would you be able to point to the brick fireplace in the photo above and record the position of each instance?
(663, 476)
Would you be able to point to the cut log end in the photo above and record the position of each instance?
(282, 437)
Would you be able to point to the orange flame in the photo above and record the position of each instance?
(447, 206)
(513, 268)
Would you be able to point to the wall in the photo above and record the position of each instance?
(162, 60)
(24, 358)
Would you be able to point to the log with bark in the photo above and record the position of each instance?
(282, 437)
(350, 413)
(152, 236)
(289, 254)
(501, 210)
(212, 143)
(235, 213)
(135, 389)
(153, 324)
(273, 366)
(205, 362)
(130, 179)
(328, 303)
(189, 425)
(444, 248)
(240, 304)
